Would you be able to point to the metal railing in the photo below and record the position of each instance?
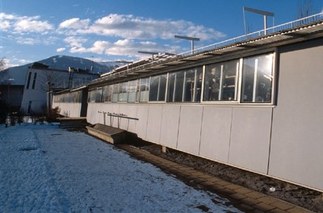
(267, 32)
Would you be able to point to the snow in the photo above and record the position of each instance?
(47, 169)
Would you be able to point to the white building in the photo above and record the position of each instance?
(41, 80)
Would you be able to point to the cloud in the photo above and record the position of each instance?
(24, 24)
(132, 27)
(32, 24)
(27, 41)
(75, 44)
(75, 24)
(114, 34)
(122, 47)
(62, 49)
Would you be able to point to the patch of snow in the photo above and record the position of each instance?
(47, 169)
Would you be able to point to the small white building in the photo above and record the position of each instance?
(41, 81)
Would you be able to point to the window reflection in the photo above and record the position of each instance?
(257, 79)
(221, 81)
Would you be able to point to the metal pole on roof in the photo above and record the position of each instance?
(149, 53)
(260, 12)
(192, 39)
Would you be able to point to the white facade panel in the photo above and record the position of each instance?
(93, 116)
(154, 123)
(141, 127)
(250, 137)
(169, 128)
(215, 136)
(113, 109)
(190, 129)
(128, 110)
(296, 153)
(69, 109)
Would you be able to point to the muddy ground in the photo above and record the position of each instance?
(307, 198)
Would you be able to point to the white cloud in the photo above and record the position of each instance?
(115, 34)
(27, 41)
(4, 25)
(75, 23)
(32, 24)
(24, 24)
(75, 44)
(122, 47)
(62, 49)
(131, 27)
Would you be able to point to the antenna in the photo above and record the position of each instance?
(260, 12)
(192, 39)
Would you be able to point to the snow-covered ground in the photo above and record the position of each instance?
(46, 169)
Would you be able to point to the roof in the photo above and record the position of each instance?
(292, 32)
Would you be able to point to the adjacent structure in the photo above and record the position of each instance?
(41, 81)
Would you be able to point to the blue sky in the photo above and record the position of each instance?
(105, 30)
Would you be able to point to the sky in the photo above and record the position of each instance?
(107, 30)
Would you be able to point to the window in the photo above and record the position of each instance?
(175, 87)
(34, 81)
(185, 86)
(157, 88)
(115, 93)
(143, 89)
(220, 82)
(28, 81)
(29, 107)
(107, 93)
(98, 95)
(95, 95)
(132, 91)
(123, 92)
(192, 85)
(257, 79)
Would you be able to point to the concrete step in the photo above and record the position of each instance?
(107, 133)
(73, 123)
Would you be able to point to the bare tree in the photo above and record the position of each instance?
(2, 64)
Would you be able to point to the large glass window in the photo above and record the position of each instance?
(144, 89)
(107, 93)
(175, 87)
(95, 95)
(192, 86)
(221, 81)
(132, 91)
(185, 86)
(257, 79)
(157, 88)
(123, 92)
(115, 93)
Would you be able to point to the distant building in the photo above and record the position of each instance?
(41, 81)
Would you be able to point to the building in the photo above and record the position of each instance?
(41, 81)
(251, 102)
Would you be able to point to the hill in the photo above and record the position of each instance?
(18, 74)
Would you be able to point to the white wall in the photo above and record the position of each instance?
(297, 139)
(69, 109)
(216, 133)
(237, 136)
(250, 138)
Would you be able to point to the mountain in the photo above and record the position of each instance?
(18, 74)
(63, 62)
